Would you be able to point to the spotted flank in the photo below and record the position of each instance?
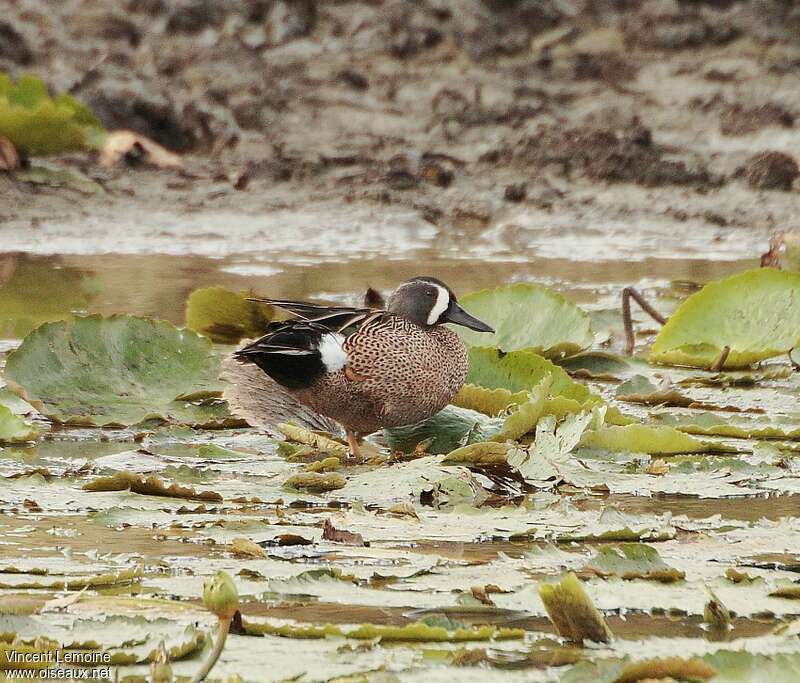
(367, 368)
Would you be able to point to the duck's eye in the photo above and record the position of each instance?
(430, 292)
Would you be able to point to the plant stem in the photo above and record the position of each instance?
(219, 644)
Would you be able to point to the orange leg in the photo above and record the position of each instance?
(355, 445)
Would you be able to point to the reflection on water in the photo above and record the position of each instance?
(34, 289)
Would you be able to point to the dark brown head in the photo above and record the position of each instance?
(427, 301)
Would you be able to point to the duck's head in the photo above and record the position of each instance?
(427, 301)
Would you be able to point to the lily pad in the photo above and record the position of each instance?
(756, 314)
(226, 317)
(449, 429)
(528, 316)
(640, 438)
(572, 611)
(39, 124)
(119, 370)
(633, 561)
(13, 429)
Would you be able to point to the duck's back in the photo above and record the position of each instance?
(396, 373)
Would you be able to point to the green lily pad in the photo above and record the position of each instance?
(39, 124)
(633, 561)
(640, 438)
(449, 429)
(528, 316)
(522, 371)
(226, 317)
(755, 313)
(13, 429)
(118, 370)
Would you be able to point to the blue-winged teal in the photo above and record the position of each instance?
(365, 368)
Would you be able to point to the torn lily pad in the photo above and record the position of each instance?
(226, 317)
(633, 561)
(528, 316)
(13, 429)
(116, 370)
(756, 314)
(149, 486)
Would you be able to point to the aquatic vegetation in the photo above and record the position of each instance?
(755, 314)
(119, 370)
(549, 496)
(39, 124)
(226, 317)
(528, 316)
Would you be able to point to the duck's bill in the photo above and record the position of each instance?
(458, 316)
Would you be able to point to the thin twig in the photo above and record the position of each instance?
(716, 366)
(629, 293)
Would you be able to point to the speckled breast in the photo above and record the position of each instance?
(397, 373)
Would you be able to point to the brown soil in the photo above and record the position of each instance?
(454, 111)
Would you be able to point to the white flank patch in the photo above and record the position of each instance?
(442, 302)
(330, 348)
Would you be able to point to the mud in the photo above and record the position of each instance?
(486, 128)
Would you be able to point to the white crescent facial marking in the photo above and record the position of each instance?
(333, 355)
(442, 302)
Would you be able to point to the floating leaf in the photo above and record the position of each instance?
(449, 429)
(640, 438)
(148, 486)
(317, 441)
(226, 317)
(484, 453)
(669, 668)
(414, 632)
(522, 371)
(639, 389)
(528, 316)
(118, 370)
(314, 482)
(572, 611)
(39, 124)
(13, 429)
(756, 314)
(633, 561)
(490, 402)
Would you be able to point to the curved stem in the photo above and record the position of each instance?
(219, 644)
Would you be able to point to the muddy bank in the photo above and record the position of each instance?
(514, 129)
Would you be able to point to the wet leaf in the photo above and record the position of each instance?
(484, 453)
(314, 482)
(755, 313)
(673, 667)
(246, 548)
(640, 438)
(449, 429)
(490, 402)
(148, 486)
(318, 441)
(572, 612)
(119, 370)
(528, 316)
(414, 632)
(38, 124)
(226, 317)
(13, 429)
(331, 533)
(639, 389)
(633, 561)
(59, 177)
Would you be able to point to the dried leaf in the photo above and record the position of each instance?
(135, 149)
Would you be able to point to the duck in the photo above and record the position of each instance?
(368, 369)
